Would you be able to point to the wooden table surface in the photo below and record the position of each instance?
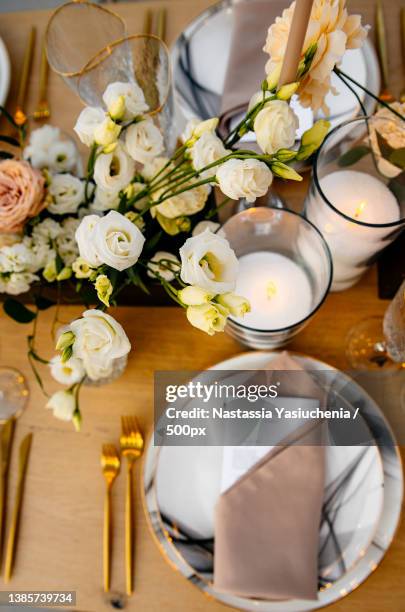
(60, 545)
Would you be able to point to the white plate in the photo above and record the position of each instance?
(4, 73)
(183, 485)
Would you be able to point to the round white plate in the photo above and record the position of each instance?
(4, 73)
(183, 484)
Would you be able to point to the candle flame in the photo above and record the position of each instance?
(271, 290)
(360, 209)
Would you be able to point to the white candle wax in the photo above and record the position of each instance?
(278, 289)
(363, 198)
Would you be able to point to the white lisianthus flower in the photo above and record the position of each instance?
(144, 141)
(258, 97)
(163, 269)
(47, 230)
(66, 241)
(186, 203)
(244, 178)
(39, 143)
(81, 268)
(87, 122)
(237, 305)
(99, 340)
(208, 261)
(84, 238)
(19, 282)
(189, 129)
(63, 404)
(62, 156)
(68, 373)
(67, 193)
(203, 225)
(210, 318)
(116, 241)
(105, 200)
(16, 258)
(113, 171)
(134, 98)
(275, 127)
(194, 296)
(205, 151)
(107, 132)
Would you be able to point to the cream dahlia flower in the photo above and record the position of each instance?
(333, 30)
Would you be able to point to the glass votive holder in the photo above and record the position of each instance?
(285, 270)
(356, 197)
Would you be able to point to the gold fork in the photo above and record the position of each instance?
(131, 442)
(110, 463)
(42, 111)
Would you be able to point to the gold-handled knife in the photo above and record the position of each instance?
(25, 448)
(385, 95)
(20, 116)
(6, 443)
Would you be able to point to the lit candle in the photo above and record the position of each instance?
(278, 289)
(364, 199)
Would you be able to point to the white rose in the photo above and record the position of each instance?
(163, 269)
(84, 238)
(187, 203)
(210, 318)
(87, 122)
(258, 97)
(105, 200)
(67, 193)
(144, 141)
(68, 373)
(244, 178)
(107, 132)
(133, 95)
(275, 127)
(203, 225)
(116, 241)
(63, 404)
(208, 261)
(207, 150)
(113, 171)
(62, 156)
(99, 340)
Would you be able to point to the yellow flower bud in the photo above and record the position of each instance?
(104, 288)
(66, 339)
(117, 109)
(284, 171)
(237, 305)
(287, 91)
(273, 77)
(64, 274)
(312, 139)
(209, 125)
(194, 296)
(210, 318)
(107, 132)
(49, 272)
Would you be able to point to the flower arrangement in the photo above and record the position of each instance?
(102, 232)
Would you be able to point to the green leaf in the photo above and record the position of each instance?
(10, 140)
(135, 278)
(122, 206)
(59, 263)
(398, 158)
(6, 155)
(17, 311)
(353, 156)
(8, 117)
(152, 243)
(43, 303)
(397, 186)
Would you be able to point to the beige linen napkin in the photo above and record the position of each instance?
(267, 523)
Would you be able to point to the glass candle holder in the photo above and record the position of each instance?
(356, 198)
(285, 270)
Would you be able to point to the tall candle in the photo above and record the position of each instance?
(278, 289)
(364, 199)
(295, 42)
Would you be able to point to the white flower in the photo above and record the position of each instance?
(210, 318)
(63, 404)
(66, 241)
(40, 141)
(144, 141)
(99, 340)
(207, 150)
(208, 261)
(195, 129)
(68, 373)
(244, 178)
(81, 268)
(62, 156)
(189, 129)
(107, 132)
(87, 122)
(154, 166)
(113, 171)
(163, 269)
(203, 225)
(194, 296)
(19, 282)
(135, 103)
(67, 193)
(237, 305)
(275, 127)
(105, 200)
(187, 203)
(84, 238)
(16, 258)
(258, 97)
(391, 128)
(116, 241)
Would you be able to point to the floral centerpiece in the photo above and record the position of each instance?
(102, 232)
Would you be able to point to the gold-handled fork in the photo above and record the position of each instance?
(42, 111)
(132, 443)
(20, 116)
(110, 463)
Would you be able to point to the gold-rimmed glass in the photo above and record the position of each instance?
(75, 33)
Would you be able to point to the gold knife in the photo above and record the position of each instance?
(25, 448)
(20, 116)
(6, 443)
(385, 95)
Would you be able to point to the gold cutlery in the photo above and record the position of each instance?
(161, 24)
(385, 95)
(147, 22)
(402, 94)
(42, 111)
(19, 116)
(25, 448)
(110, 463)
(132, 443)
(6, 443)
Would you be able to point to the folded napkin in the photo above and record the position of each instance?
(267, 523)
(245, 70)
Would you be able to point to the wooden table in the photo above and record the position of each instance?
(60, 542)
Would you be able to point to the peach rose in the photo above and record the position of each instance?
(21, 194)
